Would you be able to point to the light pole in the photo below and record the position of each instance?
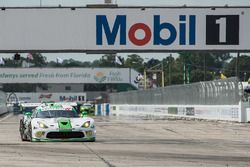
(204, 68)
(145, 79)
(169, 69)
(162, 75)
(237, 68)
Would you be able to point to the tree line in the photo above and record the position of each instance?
(188, 67)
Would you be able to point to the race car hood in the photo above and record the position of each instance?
(63, 123)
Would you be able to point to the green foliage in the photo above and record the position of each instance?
(107, 60)
(244, 67)
(203, 65)
(38, 60)
(135, 61)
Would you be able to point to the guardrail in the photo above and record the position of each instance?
(218, 100)
(3, 107)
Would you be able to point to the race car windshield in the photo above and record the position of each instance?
(28, 109)
(57, 114)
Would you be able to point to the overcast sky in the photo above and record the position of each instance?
(84, 57)
(125, 2)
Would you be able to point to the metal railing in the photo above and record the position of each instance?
(218, 92)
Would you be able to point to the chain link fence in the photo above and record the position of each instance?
(219, 92)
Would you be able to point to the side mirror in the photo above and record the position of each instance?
(28, 114)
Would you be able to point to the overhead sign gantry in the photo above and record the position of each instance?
(124, 29)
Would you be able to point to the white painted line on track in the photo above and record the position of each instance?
(4, 118)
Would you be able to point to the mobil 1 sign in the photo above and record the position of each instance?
(141, 29)
(222, 29)
(166, 29)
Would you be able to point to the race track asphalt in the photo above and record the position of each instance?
(133, 142)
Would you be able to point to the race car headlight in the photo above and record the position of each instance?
(42, 125)
(86, 124)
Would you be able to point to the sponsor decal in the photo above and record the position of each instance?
(172, 110)
(64, 124)
(190, 111)
(12, 98)
(235, 112)
(179, 30)
(46, 96)
(114, 76)
(138, 78)
(183, 32)
(24, 98)
(181, 110)
(222, 29)
(100, 77)
(68, 98)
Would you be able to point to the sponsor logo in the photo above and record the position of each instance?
(138, 78)
(190, 111)
(162, 32)
(100, 77)
(47, 96)
(68, 98)
(24, 98)
(222, 29)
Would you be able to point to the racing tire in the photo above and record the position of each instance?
(21, 126)
(23, 137)
(30, 132)
(21, 129)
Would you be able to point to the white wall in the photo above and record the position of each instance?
(215, 112)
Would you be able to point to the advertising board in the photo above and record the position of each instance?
(68, 75)
(140, 29)
(45, 97)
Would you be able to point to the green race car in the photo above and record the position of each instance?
(57, 122)
(87, 110)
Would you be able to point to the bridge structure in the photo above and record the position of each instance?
(113, 29)
(131, 136)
